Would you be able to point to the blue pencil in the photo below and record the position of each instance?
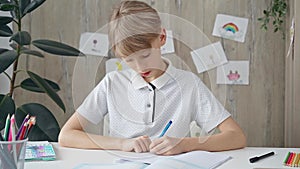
(165, 129)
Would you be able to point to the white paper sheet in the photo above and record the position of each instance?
(230, 27)
(209, 57)
(233, 72)
(94, 44)
(190, 160)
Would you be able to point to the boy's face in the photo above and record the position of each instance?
(147, 62)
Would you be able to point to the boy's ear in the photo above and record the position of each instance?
(163, 37)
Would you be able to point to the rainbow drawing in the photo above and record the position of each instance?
(231, 27)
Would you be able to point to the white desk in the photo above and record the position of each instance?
(68, 158)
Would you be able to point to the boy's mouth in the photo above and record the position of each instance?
(145, 74)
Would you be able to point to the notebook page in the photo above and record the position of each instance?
(139, 157)
(110, 166)
(203, 158)
(171, 163)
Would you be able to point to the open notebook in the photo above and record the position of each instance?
(191, 160)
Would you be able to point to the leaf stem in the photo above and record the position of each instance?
(15, 66)
(7, 75)
(17, 86)
(13, 79)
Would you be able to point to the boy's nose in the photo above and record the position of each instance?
(141, 66)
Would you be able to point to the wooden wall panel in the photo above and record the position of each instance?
(257, 107)
(292, 90)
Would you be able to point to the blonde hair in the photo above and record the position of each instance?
(133, 26)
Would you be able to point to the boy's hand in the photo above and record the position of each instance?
(166, 146)
(138, 145)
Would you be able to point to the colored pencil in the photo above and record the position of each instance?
(295, 159)
(291, 159)
(6, 130)
(298, 163)
(287, 158)
(32, 122)
(21, 127)
(13, 137)
(24, 128)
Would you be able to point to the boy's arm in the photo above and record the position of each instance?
(74, 135)
(230, 137)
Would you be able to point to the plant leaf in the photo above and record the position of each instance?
(7, 106)
(6, 59)
(15, 46)
(23, 5)
(5, 20)
(42, 84)
(32, 52)
(22, 38)
(5, 31)
(2, 50)
(32, 6)
(7, 7)
(46, 127)
(28, 84)
(28, 51)
(4, 1)
(56, 48)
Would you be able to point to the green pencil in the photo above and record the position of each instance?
(286, 158)
(6, 130)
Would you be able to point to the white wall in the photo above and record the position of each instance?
(4, 82)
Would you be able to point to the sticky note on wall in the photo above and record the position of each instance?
(209, 57)
(94, 44)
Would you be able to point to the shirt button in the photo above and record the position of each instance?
(148, 105)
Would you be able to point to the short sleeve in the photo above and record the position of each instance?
(94, 107)
(209, 111)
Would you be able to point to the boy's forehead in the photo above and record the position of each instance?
(132, 54)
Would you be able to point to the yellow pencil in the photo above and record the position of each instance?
(292, 159)
(297, 162)
(293, 163)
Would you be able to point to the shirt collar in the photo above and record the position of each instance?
(138, 82)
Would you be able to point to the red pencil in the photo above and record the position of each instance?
(291, 159)
(24, 128)
(32, 121)
(21, 127)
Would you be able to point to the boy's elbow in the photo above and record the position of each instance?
(62, 139)
(242, 140)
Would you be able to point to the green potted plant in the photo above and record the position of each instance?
(46, 127)
(275, 13)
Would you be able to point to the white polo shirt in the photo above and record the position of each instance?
(135, 109)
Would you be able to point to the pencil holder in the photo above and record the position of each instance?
(12, 154)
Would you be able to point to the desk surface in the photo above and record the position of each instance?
(68, 158)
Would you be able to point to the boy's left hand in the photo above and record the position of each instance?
(166, 146)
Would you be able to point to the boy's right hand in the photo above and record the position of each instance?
(138, 145)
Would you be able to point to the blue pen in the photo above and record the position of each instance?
(165, 129)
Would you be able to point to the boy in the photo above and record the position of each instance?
(142, 100)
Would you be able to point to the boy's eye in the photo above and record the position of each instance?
(128, 60)
(146, 55)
